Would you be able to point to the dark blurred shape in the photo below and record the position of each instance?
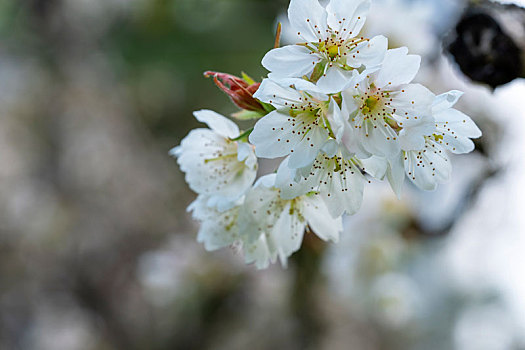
(484, 52)
(485, 47)
(239, 90)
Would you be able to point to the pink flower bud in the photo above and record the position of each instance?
(240, 91)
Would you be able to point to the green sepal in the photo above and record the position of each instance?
(247, 78)
(243, 136)
(267, 107)
(318, 72)
(248, 115)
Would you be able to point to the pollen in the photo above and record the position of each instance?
(333, 51)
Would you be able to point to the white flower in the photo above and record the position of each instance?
(387, 113)
(330, 52)
(428, 167)
(264, 225)
(218, 229)
(274, 227)
(335, 177)
(453, 132)
(454, 129)
(215, 165)
(299, 127)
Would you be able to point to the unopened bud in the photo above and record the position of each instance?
(239, 90)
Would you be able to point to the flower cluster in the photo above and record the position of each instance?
(339, 109)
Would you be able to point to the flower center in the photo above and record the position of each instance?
(310, 105)
(438, 138)
(331, 49)
(371, 104)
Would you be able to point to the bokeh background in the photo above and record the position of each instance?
(97, 251)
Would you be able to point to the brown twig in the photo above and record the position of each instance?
(278, 36)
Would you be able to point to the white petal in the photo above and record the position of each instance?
(371, 54)
(446, 100)
(347, 17)
(288, 232)
(305, 152)
(375, 166)
(308, 19)
(336, 79)
(290, 61)
(245, 153)
(344, 199)
(457, 122)
(218, 229)
(253, 217)
(336, 119)
(429, 167)
(175, 151)
(352, 142)
(413, 137)
(218, 123)
(412, 103)
(270, 136)
(267, 181)
(278, 221)
(341, 187)
(279, 96)
(299, 84)
(320, 220)
(398, 68)
(331, 148)
(222, 203)
(259, 253)
(378, 139)
(457, 144)
(211, 165)
(455, 130)
(350, 138)
(396, 174)
(285, 181)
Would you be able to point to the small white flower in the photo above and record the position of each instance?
(266, 226)
(273, 227)
(454, 129)
(387, 113)
(218, 228)
(335, 177)
(330, 51)
(300, 126)
(453, 132)
(215, 165)
(428, 167)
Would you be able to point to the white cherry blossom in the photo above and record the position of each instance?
(330, 51)
(336, 107)
(453, 132)
(385, 111)
(454, 129)
(335, 177)
(429, 166)
(218, 229)
(215, 165)
(275, 226)
(301, 124)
